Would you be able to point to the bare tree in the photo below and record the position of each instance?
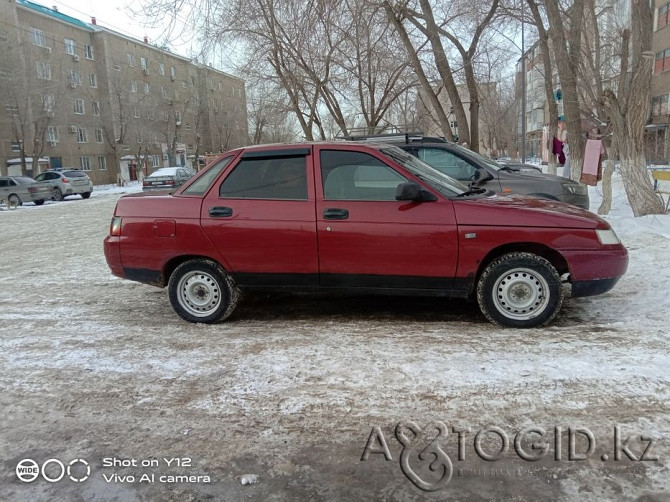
(628, 111)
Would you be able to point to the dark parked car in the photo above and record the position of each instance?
(519, 166)
(16, 190)
(357, 218)
(470, 167)
(65, 182)
(167, 178)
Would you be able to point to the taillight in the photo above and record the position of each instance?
(115, 227)
(65, 180)
(170, 182)
(145, 183)
(32, 189)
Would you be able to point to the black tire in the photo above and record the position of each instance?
(201, 291)
(85, 195)
(14, 201)
(57, 195)
(520, 290)
(38, 202)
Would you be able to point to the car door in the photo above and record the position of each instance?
(260, 216)
(369, 239)
(4, 188)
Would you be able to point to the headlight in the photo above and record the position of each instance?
(607, 237)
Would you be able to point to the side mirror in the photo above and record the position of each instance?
(481, 176)
(413, 192)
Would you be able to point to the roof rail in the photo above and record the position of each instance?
(406, 138)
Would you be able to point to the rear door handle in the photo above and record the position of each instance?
(335, 214)
(221, 212)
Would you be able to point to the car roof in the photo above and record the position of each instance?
(165, 170)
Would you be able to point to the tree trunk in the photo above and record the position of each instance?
(606, 203)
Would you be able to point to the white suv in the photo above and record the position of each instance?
(66, 182)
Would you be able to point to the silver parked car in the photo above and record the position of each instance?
(64, 182)
(16, 190)
(167, 178)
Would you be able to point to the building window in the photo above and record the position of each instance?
(147, 88)
(102, 163)
(117, 67)
(659, 105)
(161, 68)
(173, 72)
(98, 135)
(164, 92)
(138, 136)
(143, 63)
(38, 38)
(136, 112)
(88, 51)
(48, 102)
(93, 80)
(663, 13)
(130, 58)
(70, 47)
(154, 161)
(662, 62)
(82, 136)
(75, 79)
(79, 106)
(85, 163)
(52, 134)
(43, 70)
(96, 108)
(133, 86)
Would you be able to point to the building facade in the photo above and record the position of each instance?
(77, 94)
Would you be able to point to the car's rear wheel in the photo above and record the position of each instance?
(57, 195)
(85, 195)
(520, 290)
(201, 291)
(13, 201)
(38, 202)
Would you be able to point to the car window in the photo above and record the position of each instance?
(75, 174)
(40, 177)
(3, 183)
(447, 163)
(202, 184)
(51, 176)
(267, 178)
(357, 176)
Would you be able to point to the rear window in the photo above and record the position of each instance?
(75, 174)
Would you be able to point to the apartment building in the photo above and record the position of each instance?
(76, 94)
(657, 136)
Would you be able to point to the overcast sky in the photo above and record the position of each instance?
(118, 15)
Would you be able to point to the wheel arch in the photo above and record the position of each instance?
(542, 250)
(174, 262)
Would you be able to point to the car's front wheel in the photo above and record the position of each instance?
(85, 195)
(57, 195)
(200, 290)
(38, 202)
(520, 290)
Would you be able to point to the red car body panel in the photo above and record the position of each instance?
(440, 245)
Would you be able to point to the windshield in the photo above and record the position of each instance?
(444, 184)
(469, 153)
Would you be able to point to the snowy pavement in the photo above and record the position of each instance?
(290, 391)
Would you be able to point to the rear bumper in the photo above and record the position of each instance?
(112, 247)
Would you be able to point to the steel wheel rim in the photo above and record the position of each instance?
(521, 294)
(199, 293)
(57, 194)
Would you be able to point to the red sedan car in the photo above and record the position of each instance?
(358, 218)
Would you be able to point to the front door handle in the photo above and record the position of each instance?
(221, 212)
(335, 214)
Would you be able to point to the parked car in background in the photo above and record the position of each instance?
(167, 178)
(357, 218)
(16, 190)
(470, 167)
(66, 181)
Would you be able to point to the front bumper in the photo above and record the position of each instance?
(596, 272)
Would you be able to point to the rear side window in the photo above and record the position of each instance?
(202, 184)
(267, 178)
(357, 176)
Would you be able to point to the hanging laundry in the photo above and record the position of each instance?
(592, 170)
(557, 149)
